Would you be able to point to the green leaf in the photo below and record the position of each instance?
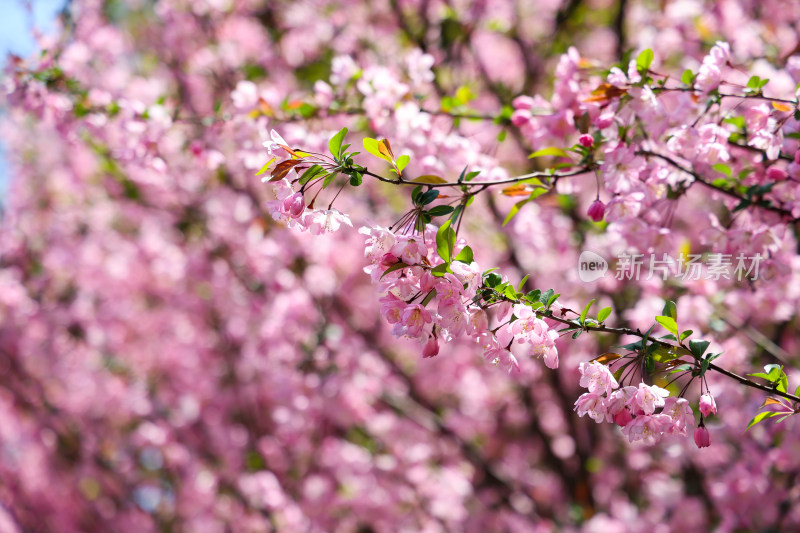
(373, 147)
(670, 310)
(439, 270)
(514, 210)
(493, 279)
(553, 151)
(603, 314)
(416, 194)
(633, 346)
(722, 167)
(698, 347)
(309, 174)
(668, 323)
(429, 196)
(687, 78)
(456, 213)
(644, 60)
(465, 255)
(703, 367)
(396, 266)
(663, 355)
(335, 144)
(431, 295)
(681, 368)
(471, 175)
(522, 282)
(761, 417)
(445, 240)
(585, 311)
(402, 162)
(356, 179)
(545, 297)
(686, 334)
(266, 167)
(440, 210)
(552, 299)
(329, 179)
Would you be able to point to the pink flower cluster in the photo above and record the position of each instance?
(632, 408)
(290, 207)
(427, 308)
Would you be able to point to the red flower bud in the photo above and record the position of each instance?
(597, 210)
(701, 437)
(586, 140)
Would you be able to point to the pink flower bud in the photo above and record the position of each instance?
(776, 174)
(431, 348)
(388, 260)
(597, 210)
(294, 205)
(523, 102)
(586, 140)
(707, 405)
(520, 117)
(701, 437)
(623, 417)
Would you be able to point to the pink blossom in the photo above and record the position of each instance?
(414, 319)
(647, 428)
(326, 221)
(586, 140)
(468, 274)
(410, 251)
(597, 378)
(649, 397)
(593, 404)
(276, 142)
(679, 410)
(453, 316)
(619, 399)
(502, 357)
(392, 308)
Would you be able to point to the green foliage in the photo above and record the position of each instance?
(445, 241)
(335, 144)
(643, 61)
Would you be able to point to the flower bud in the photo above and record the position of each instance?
(586, 140)
(294, 205)
(431, 348)
(701, 437)
(597, 210)
(623, 417)
(520, 117)
(707, 404)
(776, 174)
(388, 260)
